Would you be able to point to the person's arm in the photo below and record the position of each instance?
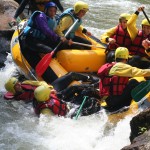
(125, 70)
(105, 37)
(57, 2)
(81, 29)
(131, 24)
(42, 24)
(37, 83)
(21, 8)
(63, 25)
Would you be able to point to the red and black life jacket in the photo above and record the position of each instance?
(122, 38)
(26, 95)
(54, 104)
(110, 85)
(136, 47)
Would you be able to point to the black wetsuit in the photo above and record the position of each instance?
(33, 7)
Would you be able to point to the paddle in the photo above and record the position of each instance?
(45, 61)
(98, 41)
(79, 110)
(88, 45)
(146, 16)
(141, 90)
(22, 57)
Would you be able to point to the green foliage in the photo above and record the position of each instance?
(142, 130)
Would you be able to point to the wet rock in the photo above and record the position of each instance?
(7, 12)
(139, 124)
(140, 132)
(5, 39)
(141, 142)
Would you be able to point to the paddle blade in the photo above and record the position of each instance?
(140, 91)
(43, 64)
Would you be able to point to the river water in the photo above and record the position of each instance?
(21, 130)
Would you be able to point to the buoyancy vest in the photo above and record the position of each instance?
(69, 12)
(110, 85)
(27, 94)
(136, 47)
(54, 104)
(32, 29)
(122, 38)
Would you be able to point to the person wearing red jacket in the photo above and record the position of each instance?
(17, 90)
(115, 85)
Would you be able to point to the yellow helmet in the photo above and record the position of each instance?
(145, 22)
(122, 52)
(80, 6)
(42, 93)
(9, 85)
(124, 16)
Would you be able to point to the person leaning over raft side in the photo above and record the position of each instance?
(22, 90)
(67, 18)
(29, 89)
(39, 37)
(75, 93)
(136, 49)
(35, 5)
(115, 86)
(44, 102)
(46, 98)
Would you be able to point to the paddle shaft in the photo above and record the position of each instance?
(97, 40)
(45, 61)
(88, 45)
(67, 33)
(79, 111)
(22, 57)
(146, 16)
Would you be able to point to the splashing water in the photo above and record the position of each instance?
(21, 129)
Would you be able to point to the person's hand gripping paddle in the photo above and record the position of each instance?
(45, 61)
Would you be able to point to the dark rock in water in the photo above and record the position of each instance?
(7, 11)
(139, 124)
(5, 38)
(141, 142)
(140, 132)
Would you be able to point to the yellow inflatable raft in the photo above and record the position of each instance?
(66, 60)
